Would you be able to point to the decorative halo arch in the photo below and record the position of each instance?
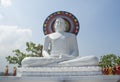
(72, 24)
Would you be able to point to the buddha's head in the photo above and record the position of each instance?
(60, 25)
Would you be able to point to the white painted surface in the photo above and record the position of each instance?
(98, 78)
(63, 50)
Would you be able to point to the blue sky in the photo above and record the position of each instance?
(22, 20)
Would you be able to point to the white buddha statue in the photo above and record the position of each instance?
(63, 50)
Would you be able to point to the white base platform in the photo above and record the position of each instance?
(58, 71)
(97, 78)
(60, 74)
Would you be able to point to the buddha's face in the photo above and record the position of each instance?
(60, 25)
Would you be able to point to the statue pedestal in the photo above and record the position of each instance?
(59, 71)
(92, 78)
(64, 74)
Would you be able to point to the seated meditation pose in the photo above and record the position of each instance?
(60, 49)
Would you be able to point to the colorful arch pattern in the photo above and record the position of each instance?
(72, 24)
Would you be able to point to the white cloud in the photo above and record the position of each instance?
(6, 3)
(11, 38)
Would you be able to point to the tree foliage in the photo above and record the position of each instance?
(32, 50)
(109, 60)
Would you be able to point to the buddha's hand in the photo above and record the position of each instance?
(65, 56)
(45, 54)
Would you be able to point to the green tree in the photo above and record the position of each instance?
(117, 61)
(108, 60)
(32, 50)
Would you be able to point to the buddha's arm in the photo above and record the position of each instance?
(45, 48)
(74, 46)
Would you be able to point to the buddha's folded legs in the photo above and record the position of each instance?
(41, 61)
(81, 61)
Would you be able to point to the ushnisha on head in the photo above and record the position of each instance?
(60, 25)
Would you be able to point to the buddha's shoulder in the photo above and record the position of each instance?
(56, 35)
(53, 36)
